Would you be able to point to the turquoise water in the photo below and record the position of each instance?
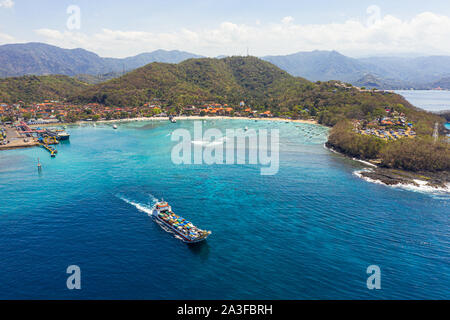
(309, 232)
(430, 100)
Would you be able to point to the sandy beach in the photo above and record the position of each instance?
(311, 121)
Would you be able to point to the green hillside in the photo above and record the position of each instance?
(228, 80)
(260, 84)
(31, 89)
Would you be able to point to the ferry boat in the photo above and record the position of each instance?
(59, 134)
(188, 233)
(63, 135)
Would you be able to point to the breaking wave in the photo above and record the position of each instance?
(420, 186)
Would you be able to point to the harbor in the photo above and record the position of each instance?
(75, 209)
(21, 135)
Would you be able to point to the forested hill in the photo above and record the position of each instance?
(32, 89)
(230, 80)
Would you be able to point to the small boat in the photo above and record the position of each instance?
(188, 233)
(114, 127)
(246, 129)
(172, 119)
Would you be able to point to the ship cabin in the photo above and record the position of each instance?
(163, 207)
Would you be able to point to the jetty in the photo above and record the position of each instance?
(50, 149)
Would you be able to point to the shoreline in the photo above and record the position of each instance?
(311, 121)
(428, 182)
(202, 118)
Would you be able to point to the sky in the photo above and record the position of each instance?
(211, 27)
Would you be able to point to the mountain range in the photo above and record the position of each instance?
(372, 72)
(44, 59)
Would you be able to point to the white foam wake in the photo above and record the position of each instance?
(422, 186)
(148, 209)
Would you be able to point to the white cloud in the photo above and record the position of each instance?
(425, 33)
(287, 20)
(5, 38)
(6, 4)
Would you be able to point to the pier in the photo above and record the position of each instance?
(50, 149)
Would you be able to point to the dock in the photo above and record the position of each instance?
(50, 149)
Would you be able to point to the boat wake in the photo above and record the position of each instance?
(145, 208)
(148, 209)
(419, 186)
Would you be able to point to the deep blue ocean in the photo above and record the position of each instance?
(430, 100)
(309, 232)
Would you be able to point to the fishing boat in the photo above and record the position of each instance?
(188, 233)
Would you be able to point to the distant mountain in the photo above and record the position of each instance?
(369, 81)
(414, 70)
(321, 66)
(43, 59)
(443, 83)
(372, 72)
(379, 72)
(164, 56)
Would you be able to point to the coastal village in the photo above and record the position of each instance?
(19, 122)
(55, 112)
(15, 119)
(393, 126)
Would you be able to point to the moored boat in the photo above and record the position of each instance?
(163, 214)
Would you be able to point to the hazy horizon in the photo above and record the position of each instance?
(399, 55)
(210, 28)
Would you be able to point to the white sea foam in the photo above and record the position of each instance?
(422, 186)
(141, 207)
(355, 159)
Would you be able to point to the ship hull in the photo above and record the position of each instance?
(176, 231)
(63, 137)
